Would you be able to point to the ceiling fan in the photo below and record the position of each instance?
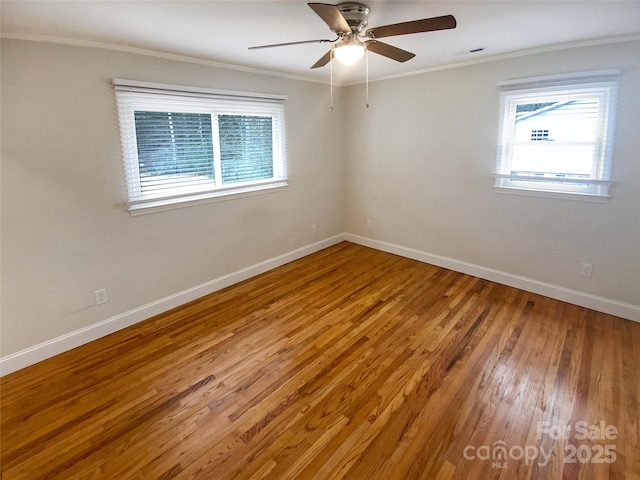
(348, 20)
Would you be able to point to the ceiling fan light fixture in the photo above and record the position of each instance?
(349, 53)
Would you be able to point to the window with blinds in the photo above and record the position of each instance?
(185, 145)
(556, 136)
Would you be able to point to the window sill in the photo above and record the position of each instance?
(144, 207)
(583, 197)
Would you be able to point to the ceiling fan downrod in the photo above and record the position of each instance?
(356, 14)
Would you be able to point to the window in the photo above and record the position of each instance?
(184, 145)
(556, 136)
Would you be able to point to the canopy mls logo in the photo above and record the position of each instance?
(499, 453)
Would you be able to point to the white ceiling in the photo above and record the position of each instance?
(222, 31)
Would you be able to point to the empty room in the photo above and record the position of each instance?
(368, 240)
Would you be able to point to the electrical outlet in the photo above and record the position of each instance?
(101, 296)
(585, 270)
(314, 229)
(369, 223)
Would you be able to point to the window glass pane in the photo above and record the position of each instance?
(547, 159)
(173, 147)
(526, 108)
(246, 148)
(567, 120)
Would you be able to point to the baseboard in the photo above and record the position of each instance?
(50, 348)
(601, 304)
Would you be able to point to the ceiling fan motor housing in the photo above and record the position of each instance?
(356, 15)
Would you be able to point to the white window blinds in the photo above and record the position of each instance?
(173, 147)
(182, 144)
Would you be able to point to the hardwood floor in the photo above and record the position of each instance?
(349, 363)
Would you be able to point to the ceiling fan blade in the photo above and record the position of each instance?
(332, 16)
(326, 58)
(389, 51)
(416, 26)
(291, 43)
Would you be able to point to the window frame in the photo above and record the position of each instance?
(134, 96)
(601, 84)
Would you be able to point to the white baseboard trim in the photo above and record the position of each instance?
(50, 348)
(601, 304)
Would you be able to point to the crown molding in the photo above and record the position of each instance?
(152, 53)
(505, 56)
(230, 66)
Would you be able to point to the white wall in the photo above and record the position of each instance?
(419, 164)
(65, 228)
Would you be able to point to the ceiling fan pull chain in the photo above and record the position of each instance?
(367, 81)
(331, 76)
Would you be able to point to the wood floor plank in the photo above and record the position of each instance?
(348, 363)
